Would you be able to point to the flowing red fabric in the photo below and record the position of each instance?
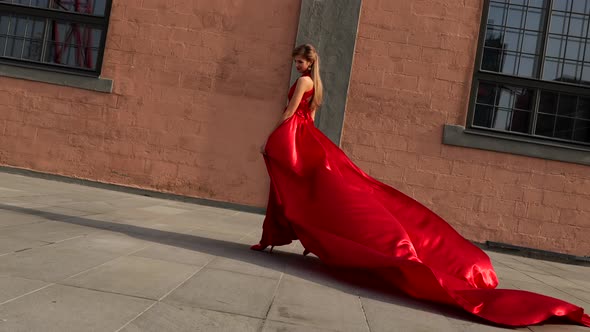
(349, 219)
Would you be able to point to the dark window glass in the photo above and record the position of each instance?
(89, 7)
(62, 35)
(503, 107)
(72, 44)
(513, 38)
(534, 70)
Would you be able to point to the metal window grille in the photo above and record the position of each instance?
(58, 35)
(532, 75)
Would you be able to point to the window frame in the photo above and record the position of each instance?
(101, 22)
(525, 82)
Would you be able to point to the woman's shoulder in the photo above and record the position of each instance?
(305, 81)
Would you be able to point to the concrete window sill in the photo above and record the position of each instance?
(530, 147)
(82, 82)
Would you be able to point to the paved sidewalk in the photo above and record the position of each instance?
(77, 258)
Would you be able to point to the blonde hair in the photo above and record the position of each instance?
(309, 53)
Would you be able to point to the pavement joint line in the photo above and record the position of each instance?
(99, 265)
(272, 300)
(137, 316)
(105, 291)
(557, 289)
(68, 239)
(214, 257)
(242, 273)
(301, 324)
(164, 296)
(548, 271)
(217, 310)
(23, 295)
(25, 223)
(364, 313)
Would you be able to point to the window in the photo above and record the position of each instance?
(532, 74)
(59, 35)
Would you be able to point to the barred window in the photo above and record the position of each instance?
(60, 35)
(532, 74)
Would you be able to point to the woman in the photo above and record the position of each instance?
(349, 219)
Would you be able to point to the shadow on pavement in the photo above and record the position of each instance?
(352, 281)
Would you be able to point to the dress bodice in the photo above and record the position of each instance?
(303, 108)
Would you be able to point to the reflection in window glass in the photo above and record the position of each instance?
(513, 39)
(21, 37)
(14, 47)
(563, 116)
(567, 105)
(563, 5)
(530, 39)
(496, 14)
(552, 69)
(583, 110)
(567, 50)
(555, 47)
(563, 128)
(581, 6)
(526, 66)
(515, 18)
(483, 116)
(545, 125)
(530, 43)
(574, 49)
(509, 63)
(502, 107)
(502, 119)
(582, 131)
(558, 23)
(90, 7)
(548, 102)
(578, 26)
(70, 44)
(534, 19)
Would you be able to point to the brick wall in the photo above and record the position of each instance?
(411, 75)
(197, 85)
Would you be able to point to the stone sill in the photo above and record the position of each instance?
(76, 81)
(524, 146)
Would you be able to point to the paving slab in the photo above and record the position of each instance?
(61, 308)
(10, 245)
(310, 304)
(13, 287)
(135, 276)
(47, 231)
(165, 317)
(226, 291)
(273, 269)
(175, 254)
(275, 326)
(56, 262)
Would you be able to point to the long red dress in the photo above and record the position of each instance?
(349, 219)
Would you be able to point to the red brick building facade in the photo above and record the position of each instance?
(197, 85)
